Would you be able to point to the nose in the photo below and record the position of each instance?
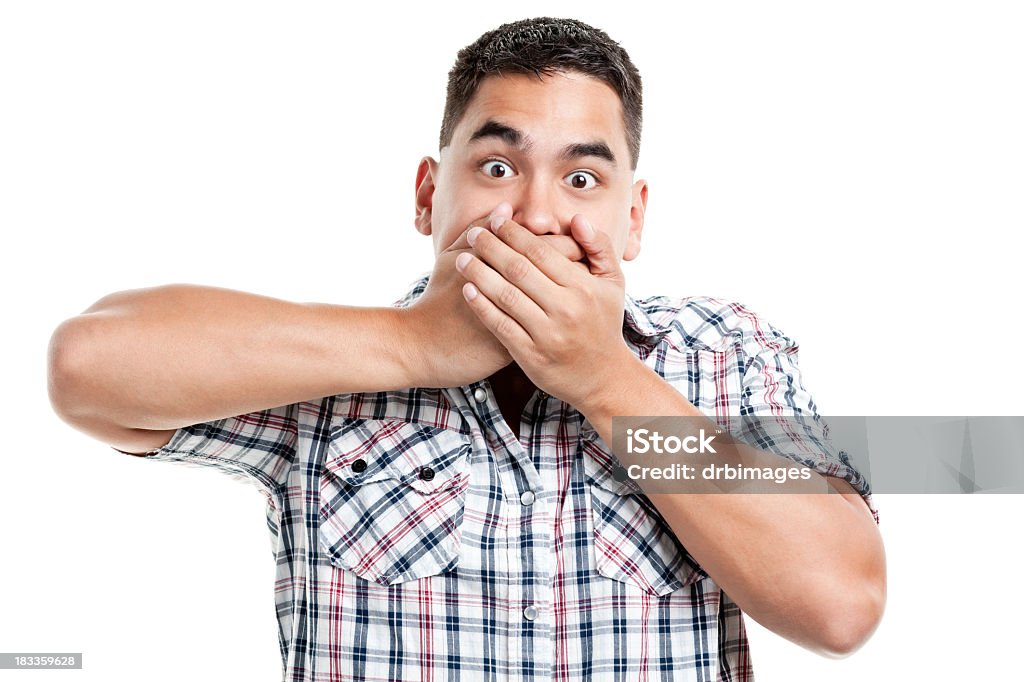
(536, 208)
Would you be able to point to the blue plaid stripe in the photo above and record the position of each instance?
(386, 571)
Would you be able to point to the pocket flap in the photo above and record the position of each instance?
(427, 458)
(392, 498)
(602, 468)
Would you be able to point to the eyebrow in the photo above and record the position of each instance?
(515, 138)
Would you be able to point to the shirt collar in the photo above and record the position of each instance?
(636, 319)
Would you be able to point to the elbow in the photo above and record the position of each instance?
(68, 367)
(80, 356)
(851, 621)
(855, 595)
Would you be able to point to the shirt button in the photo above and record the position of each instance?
(359, 466)
(527, 498)
(619, 473)
(530, 612)
(480, 395)
(426, 474)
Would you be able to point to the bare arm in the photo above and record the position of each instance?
(808, 566)
(138, 364)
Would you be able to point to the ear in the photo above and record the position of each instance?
(636, 220)
(425, 175)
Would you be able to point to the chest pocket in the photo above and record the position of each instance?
(632, 542)
(392, 497)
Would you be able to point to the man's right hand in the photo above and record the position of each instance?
(453, 348)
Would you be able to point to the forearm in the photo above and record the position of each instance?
(175, 355)
(809, 567)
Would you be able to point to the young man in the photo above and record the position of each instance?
(471, 525)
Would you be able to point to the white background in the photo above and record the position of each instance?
(850, 171)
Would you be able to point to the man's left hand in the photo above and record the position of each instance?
(560, 320)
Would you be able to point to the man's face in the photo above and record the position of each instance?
(551, 147)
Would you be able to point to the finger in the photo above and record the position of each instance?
(524, 263)
(505, 328)
(505, 295)
(499, 215)
(462, 243)
(597, 245)
(563, 243)
(548, 261)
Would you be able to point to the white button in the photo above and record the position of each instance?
(480, 395)
(530, 612)
(528, 497)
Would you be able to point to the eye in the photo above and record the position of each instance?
(582, 180)
(496, 169)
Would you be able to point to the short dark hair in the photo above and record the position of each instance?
(543, 46)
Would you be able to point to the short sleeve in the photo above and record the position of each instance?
(772, 386)
(256, 448)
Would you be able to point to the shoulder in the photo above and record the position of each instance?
(712, 323)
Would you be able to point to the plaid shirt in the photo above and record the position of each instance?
(416, 537)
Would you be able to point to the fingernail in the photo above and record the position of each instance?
(473, 233)
(461, 260)
(499, 215)
(469, 291)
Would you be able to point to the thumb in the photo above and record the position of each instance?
(596, 244)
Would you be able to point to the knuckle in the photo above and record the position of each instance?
(503, 327)
(567, 246)
(543, 361)
(537, 254)
(518, 269)
(573, 317)
(508, 297)
(567, 314)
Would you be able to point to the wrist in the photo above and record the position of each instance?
(408, 347)
(621, 377)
